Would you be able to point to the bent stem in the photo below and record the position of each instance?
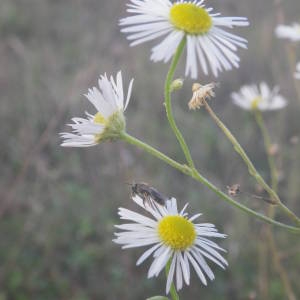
(252, 170)
(271, 212)
(173, 292)
(197, 176)
(167, 94)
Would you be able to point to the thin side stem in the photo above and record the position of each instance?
(271, 212)
(279, 267)
(238, 205)
(197, 176)
(252, 170)
(173, 291)
(154, 152)
(266, 233)
(267, 143)
(168, 105)
(263, 263)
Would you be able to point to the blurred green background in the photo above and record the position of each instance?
(58, 206)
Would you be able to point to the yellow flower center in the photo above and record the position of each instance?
(99, 119)
(255, 102)
(190, 18)
(177, 232)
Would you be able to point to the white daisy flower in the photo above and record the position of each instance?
(252, 97)
(207, 42)
(109, 120)
(288, 32)
(171, 237)
(297, 73)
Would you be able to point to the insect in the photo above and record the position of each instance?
(148, 193)
(235, 190)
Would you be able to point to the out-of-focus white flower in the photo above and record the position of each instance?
(252, 97)
(288, 32)
(109, 120)
(207, 42)
(297, 73)
(171, 237)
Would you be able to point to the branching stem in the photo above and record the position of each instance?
(197, 176)
(252, 170)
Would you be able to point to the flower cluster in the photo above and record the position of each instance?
(174, 240)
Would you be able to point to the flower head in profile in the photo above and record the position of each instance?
(252, 97)
(108, 122)
(291, 33)
(171, 237)
(297, 73)
(207, 42)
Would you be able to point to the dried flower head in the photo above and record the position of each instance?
(200, 94)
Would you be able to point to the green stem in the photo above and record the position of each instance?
(270, 213)
(173, 291)
(267, 144)
(167, 93)
(138, 143)
(197, 176)
(274, 178)
(252, 170)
